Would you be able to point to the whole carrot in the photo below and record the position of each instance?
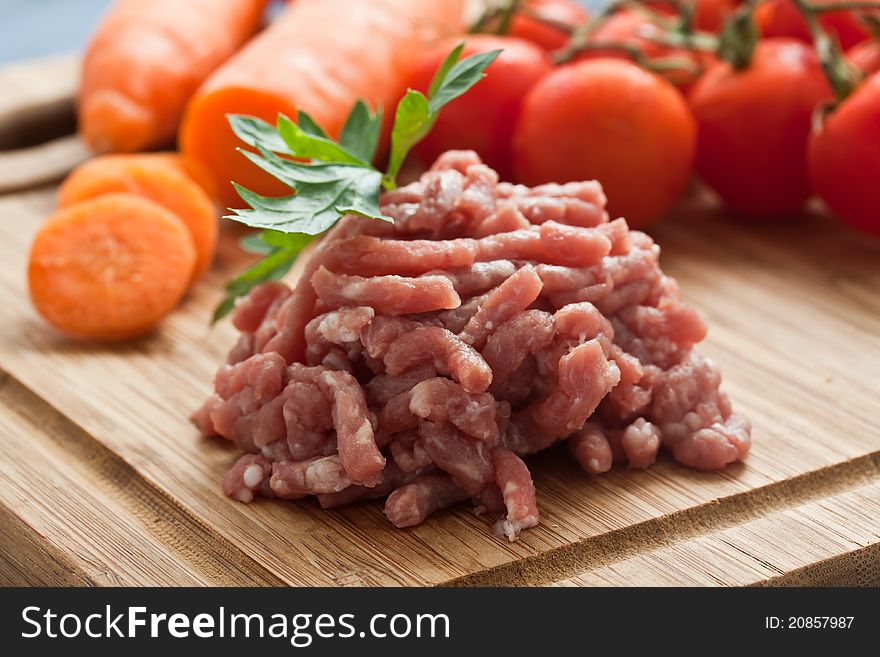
(319, 56)
(146, 60)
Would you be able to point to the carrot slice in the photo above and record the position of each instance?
(320, 56)
(145, 61)
(156, 179)
(111, 267)
(195, 170)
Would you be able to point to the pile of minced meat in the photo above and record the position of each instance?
(421, 361)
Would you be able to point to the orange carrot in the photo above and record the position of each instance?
(156, 179)
(319, 56)
(111, 267)
(146, 60)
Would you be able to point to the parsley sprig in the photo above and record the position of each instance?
(330, 178)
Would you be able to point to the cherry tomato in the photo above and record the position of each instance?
(610, 120)
(484, 118)
(708, 15)
(545, 35)
(634, 28)
(782, 18)
(753, 127)
(865, 56)
(844, 158)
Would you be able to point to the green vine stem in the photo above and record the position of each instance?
(696, 40)
(508, 11)
(873, 24)
(637, 55)
(550, 22)
(580, 36)
(855, 5)
(842, 76)
(739, 36)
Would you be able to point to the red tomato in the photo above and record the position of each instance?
(544, 35)
(754, 124)
(610, 120)
(709, 15)
(634, 28)
(630, 27)
(782, 18)
(484, 118)
(844, 158)
(865, 56)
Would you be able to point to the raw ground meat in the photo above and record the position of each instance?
(420, 361)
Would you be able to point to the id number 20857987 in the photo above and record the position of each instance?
(808, 622)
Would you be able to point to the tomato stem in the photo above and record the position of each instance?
(696, 40)
(503, 12)
(739, 36)
(508, 10)
(655, 64)
(873, 24)
(853, 5)
(538, 15)
(842, 76)
(581, 34)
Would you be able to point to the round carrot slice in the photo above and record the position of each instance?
(185, 164)
(153, 178)
(111, 267)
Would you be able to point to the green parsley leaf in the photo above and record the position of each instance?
(308, 124)
(416, 113)
(254, 244)
(255, 132)
(459, 78)
(360, 134)
(443, 71)
(268, 241)
(411, 123)
(325, 191)
(305, 145)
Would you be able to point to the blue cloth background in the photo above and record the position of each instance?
(36, 28)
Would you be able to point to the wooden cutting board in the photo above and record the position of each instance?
(104, 481)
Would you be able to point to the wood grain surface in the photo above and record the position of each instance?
(37, 118)
(105, 482)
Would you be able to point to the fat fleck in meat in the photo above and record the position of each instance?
(249, 475)
(418, 362)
